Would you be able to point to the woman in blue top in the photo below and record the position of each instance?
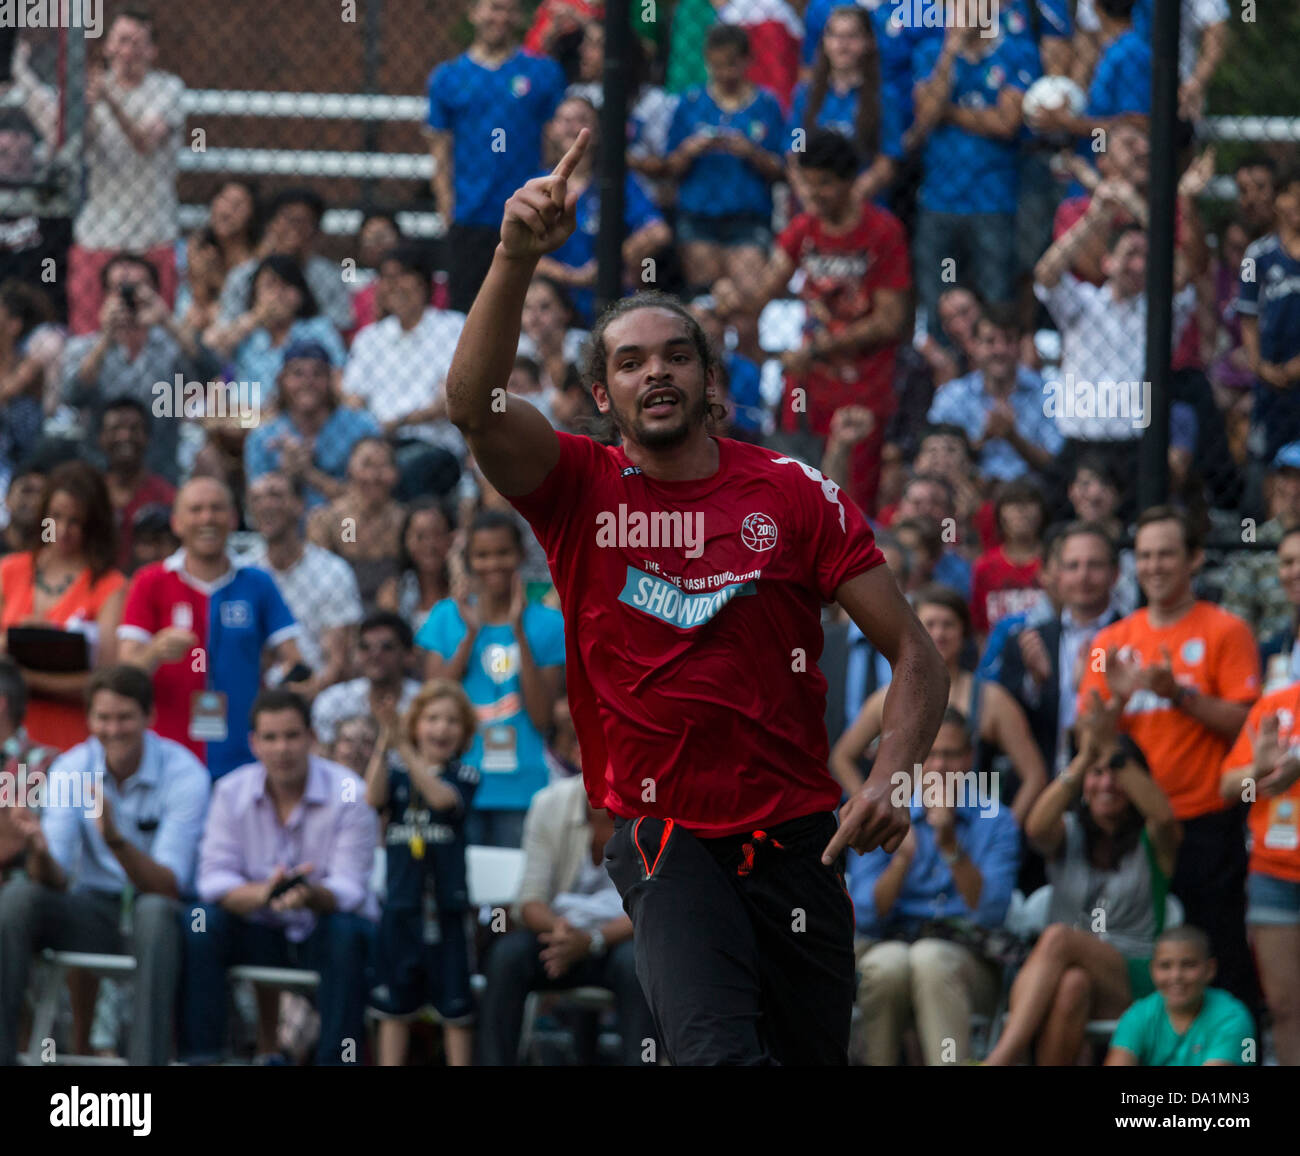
(573, 264)
(844, 94)
(725, 149)
(282, 311)
(509, 657)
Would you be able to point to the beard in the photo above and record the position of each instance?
(663, 437)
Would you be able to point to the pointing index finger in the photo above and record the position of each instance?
(569, 162)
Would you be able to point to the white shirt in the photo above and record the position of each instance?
(131, 199)
(1197, 16)
(1075, 635)
(397, 371)
(345, 699)
(594, 899)
(320, 589)
(1100, 392)
(572, 349)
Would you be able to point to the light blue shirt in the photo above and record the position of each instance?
(855, 672)
(991, 840)
(331, 447)
(258, 360)
(953, 570)
(159, 810)
(967, 403)
(507, 748)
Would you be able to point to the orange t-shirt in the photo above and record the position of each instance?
(1212, 651)
(1274, 823)
(57, 723)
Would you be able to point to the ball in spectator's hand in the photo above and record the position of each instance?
(1054, 92)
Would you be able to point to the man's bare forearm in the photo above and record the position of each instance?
(913, 709)
(485, 355)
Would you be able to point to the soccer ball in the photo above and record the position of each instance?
(1054, 92)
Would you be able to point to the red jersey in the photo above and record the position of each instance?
(841, 274)
(1000, 587)
(692, 616)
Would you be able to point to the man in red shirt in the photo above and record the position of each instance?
(691, 573)
(856, 280)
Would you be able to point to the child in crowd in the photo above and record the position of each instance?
(1184, 1023)
(1005, 578)
(418, 783)
(354, 742)
(508, 653)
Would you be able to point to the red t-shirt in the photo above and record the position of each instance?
(841, 273)
(154, 490)
(692, 665)
(1000, 587)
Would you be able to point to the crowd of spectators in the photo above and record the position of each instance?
(254, 583)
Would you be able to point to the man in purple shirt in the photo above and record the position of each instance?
(290, 817)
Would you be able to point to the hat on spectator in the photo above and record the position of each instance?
(151, 520)
(312, 350)
(1288, 457)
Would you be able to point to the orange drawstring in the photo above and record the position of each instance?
(747, 851)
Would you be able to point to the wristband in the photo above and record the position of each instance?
(952, 858)
(1184, 695)
(597, 948)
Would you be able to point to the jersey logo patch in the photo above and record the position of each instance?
(630, 471)
(664, 601)
(236, 615)
(758, 532)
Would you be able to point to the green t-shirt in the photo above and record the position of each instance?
(692, 20)
(1218, 1033)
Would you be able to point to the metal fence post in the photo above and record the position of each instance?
(1153, 473)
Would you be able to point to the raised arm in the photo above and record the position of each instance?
(913, 708)
(514, 445)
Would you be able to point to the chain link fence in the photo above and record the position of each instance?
(240, 240)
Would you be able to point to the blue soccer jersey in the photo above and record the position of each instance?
(1269, 290)
(495, 116)
(839, 113)
(719, 184)
(204, 699)
(639, 210)
(425, 848)
(894, 44)
(965, 172)
(1122, 81)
